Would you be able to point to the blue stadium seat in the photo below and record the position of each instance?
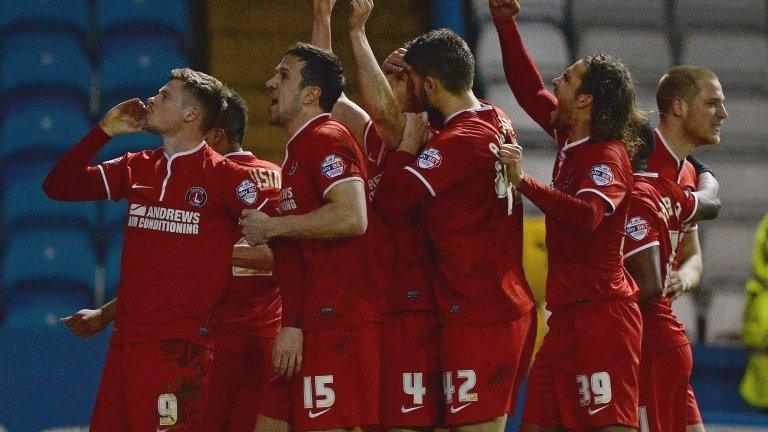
(70, 13)
(115, 213)
(112, 262)
(123, 144)
(136, 66)
(48, 256)
(39, 308)
(42, 123)
(172, 14)
(44, 59)
(23, 199)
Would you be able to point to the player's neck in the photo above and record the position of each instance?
(450, 104)
(181, 141)
(300, 120)
(579, 130)
(677, 139)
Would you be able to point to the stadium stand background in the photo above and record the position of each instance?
(63, 63)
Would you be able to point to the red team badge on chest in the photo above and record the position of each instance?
(196, 196)
(332, 166)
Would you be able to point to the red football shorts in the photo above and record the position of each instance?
(693, 415)
(153, 386)
(244, 385)
(664, 377)
(411, 386)
(338, 385)
(586, 373)
(482, 367)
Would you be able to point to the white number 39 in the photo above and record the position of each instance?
(598, 385)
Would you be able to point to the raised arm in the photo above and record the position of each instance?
(522, 76)
(344, 111)
(377, 97)
(73, 178)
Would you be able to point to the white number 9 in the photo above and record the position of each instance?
(168, 409)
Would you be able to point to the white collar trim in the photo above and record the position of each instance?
(483, 107)
(239, 153)
(575, 143)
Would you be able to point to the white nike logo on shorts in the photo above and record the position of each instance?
(455, 410)
(138, 186)
(318, 414)
(405, 410)
(595, 411)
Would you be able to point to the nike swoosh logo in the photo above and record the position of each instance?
(455, 410)
(138, 186)
(318, 414)
(371, 159)
(405, 410)
(595, 411)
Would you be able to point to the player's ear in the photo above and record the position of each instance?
(431, 85)
(191, 113)
(583, 100)
(310, 95)
(679, 107)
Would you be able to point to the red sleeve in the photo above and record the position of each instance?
(607, 176)
(523, 77)
(332, 160)
(288, 271)
(582, 215)
(642, 227)
(446, 160)
(72, 178)
(398, 190)
(246, 188)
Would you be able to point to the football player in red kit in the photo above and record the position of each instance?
(484, 304)
(248, 316)
(410, 376)
(586, 374)
(691, 107)
(184, 203)
(323, 263)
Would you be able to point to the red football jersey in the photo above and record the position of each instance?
(596, 259)
(338, 285)
(668, 165)
(402, 249)
(479, 279)
(656, 208)
(182, 222)
(250, 303)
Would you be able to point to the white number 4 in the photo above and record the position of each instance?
(323, 397)
(598, 385)
(168, 409)
(413, 384)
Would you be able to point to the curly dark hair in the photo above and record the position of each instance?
(234, 119)
(615, 115)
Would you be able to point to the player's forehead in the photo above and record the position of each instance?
(290, 63)
(710, 88)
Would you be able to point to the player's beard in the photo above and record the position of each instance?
(285, 112)
(702, 135)
(563, 117)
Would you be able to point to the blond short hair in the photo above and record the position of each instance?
(205, 89)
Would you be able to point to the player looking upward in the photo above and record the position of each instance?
(595, 322)
(331, 300)
(184, 204)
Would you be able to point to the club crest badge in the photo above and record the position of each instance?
(196, 196)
